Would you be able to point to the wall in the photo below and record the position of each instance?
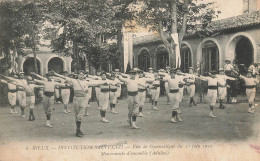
(225, 42)
(44, 58)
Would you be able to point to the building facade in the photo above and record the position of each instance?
(235, 38)
(45, 61)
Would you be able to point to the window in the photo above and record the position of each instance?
(162, 59)
(186, 60)
(210, 57)
(144, 60)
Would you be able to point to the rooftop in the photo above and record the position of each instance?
(237, 22)
(244, 20)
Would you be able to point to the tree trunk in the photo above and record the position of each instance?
(34, 53)
(184, 21)
(15, 57)
(170, 46)
(75, 53)
(120, 48)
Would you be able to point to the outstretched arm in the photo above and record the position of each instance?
(94, 77)
(59, 75)
(242, 77)
(39, 76)
(230, 78)
(124, 75)
(143, 85)
(203, 78)
(60, 84)
(39, 81)
(108, 74)
(161, 74)
(58, 78)
(96, 82)
(4, 81)
(10, 78)
(38, 86)
(122, 79)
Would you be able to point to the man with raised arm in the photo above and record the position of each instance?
(190, 82)
(113, 92)
(168, 69)
(212, 90)
(107, 89)
(155, 91)
(174, 95)
(21, 95)
(80, 87)
(149, 74)
(142, 90)
(133, 104)
(89, 94)
(181, 76)
(250, 83)
(97, 88)
(12, 92)
(29, 89)
(48, 97)
(65, 92)
(222, 86)
(119, 87)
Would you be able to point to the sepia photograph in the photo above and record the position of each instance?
(108, 80)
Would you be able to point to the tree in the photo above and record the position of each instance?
(83, 25)
(32, 21)
(122, 16)
(76, 28)
(169, 17)
(11, 31)
(20, 26)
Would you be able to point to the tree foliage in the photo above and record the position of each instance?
(173, 16)
(83, 28)
(19, 27)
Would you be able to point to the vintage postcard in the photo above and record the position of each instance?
(108, 80)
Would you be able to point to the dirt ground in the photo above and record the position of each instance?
(232, 124)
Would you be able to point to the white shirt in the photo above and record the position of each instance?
(143, 81)
(11, 86)
(132, 84)
(113, 84)
(49, 86)
(190, 78)
(249, 81)
(173, 83)
(222, 79)
(211, 81)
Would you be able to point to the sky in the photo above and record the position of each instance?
(228, 8)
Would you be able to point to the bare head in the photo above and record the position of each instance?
(81, 75)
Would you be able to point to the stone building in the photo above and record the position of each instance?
(233, 38)
(45, 61)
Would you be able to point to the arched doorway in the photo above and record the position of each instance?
(144, 60)
(28, 66)
(244, 51)
(162, 58)
(56, 64)
(186, 60)
(210, 57)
